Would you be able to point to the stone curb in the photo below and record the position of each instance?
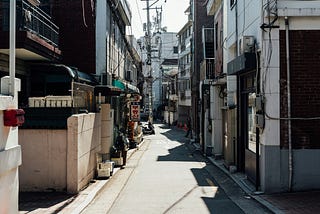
(87, 195)
(246, 189)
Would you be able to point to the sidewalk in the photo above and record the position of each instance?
(59, 202)
(293, 203)
(301, 202)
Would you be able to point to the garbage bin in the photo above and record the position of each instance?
(209, 150)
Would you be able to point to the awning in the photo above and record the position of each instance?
(61, 73)
(107, 90)
(119, 84)
(125, 86)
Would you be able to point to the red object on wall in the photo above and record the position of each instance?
(13, 117)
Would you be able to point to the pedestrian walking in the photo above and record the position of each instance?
(189, 131)
(122, 146)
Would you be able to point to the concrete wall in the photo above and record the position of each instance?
(10, 153)
(64, 160)
(44, 159)
(106, 129)
(84, 137)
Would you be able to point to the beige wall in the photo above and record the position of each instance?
(44, 159)
(84, 141)
(60, 159)
(106, 129)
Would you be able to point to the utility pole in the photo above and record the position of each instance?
(150, 79)
(149, 57)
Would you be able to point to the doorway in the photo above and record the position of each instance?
(248, 135)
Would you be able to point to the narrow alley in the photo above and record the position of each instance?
(168, 175)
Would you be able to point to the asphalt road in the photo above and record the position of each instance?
(167, 175)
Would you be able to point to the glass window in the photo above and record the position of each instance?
(251, 111)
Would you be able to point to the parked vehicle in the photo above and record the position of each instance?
(148, 128)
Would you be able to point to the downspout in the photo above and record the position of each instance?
(236, 17)
(12, 54)
(290, 161)
(257, 129)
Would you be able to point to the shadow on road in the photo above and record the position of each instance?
(30, 201)
(209, 191)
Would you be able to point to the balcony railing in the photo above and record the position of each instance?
(212, 6)
(207, 69)
(33, 19)
(124, 9)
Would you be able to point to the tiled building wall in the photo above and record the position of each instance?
(305, 88)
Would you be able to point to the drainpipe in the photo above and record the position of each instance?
(236, 17)
(12, 54)
(289, 105)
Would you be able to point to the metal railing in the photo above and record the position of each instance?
(33, 19)
(126, 8)
(207, 69)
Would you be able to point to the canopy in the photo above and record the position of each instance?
(125, 86)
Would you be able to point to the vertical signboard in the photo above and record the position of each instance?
(135, 111)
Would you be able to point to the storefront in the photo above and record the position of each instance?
(247, 144)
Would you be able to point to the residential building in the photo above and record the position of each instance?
(31, 44)
(271, 94)
(164, 45)
(215, 112)
(170, 101)
(94, 50)
(184, 82)
(201, 21)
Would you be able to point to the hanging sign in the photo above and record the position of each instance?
(135, 111)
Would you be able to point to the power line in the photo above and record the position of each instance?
(139, 12)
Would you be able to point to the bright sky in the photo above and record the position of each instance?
(173, 16)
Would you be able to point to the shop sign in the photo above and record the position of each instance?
(135, 111)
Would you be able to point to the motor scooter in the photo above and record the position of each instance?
(148, 129)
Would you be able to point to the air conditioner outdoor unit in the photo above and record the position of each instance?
(246, 44)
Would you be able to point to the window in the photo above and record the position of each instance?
(216, 35)
(175, 49)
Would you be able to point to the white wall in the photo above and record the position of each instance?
(60, 159)
(44, 159)
(166, 43)
(10, 153)
(84, 141)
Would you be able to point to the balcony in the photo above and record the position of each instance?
(124, 11)
(213, 6)
(36, 35)
(207, 69)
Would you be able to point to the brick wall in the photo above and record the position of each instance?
(77, 33)
(305, 88)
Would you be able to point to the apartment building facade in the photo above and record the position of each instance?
(36, 39)
(269, 58)
(184, 69)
